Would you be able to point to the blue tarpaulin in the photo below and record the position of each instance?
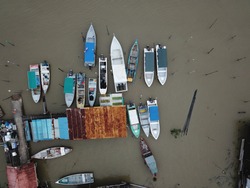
(32, 80)
(68, 85)
(154, 113)
(63, 128)
(90, 52)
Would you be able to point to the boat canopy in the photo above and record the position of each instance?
(68, 85)
(151, 164)
(162, 55)
(32, 79)
(154, 113)
(90, 52)
(149, 61)
(133, 117)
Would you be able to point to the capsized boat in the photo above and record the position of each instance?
(80, 90)
(51, 153)
(133, 119)
(35, 82)
(92, 91)
(103, 76)
(149, 64)
(161, 63)
(69, 88)
(148, 157)
(154, 120)
(45, 75)
(143, 116)
(133, 61)
(118, 66)
(77, 179)
(90, 48)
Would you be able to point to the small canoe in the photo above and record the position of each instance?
(154, 117)
(92, 91)
(77, 179)
(69, 88)
(143, 116)
(161, 63)
(149, 64)
(45, 75)
(133, 119)
(103, 76)
(80, 90)
(36, 91)
(90, 48)
(148, 158)
(52, 153)
(133, 61)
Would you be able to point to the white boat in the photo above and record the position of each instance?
(77, 179)
(51, 153)
(161, 63)
(36, 92)
(69, 88)
(80, 90)
(133, 119)
(154, 120)
(103, 76)
(118, 66)
(45, 75)
(143, 115)
(92, 91)
(90, 48)
(149, 64)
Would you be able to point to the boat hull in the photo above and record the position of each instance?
(133, 119)
(77, 179)
(103, 76)
(90, 47)
(154, 118)
(80, 90)
(149, 66)
(133, 61)
(52, 153)
(92, 91)
(161, 63)
(36, 93)
(143, 116)
(45, 76)
(70, 96)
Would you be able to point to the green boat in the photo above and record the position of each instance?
(77, 179)
(133, 119)
(133, 61)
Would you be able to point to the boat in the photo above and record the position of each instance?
(103, 76)
(77, 179)
(45, 75)
(69, 88)
(118, 66)
(133, 119)
(143, 116)
(161, 63)
(153, 117)
(90, 48)
(36, 90)
(80, 90)
(122, 184)
(52, 153)
(133, 61)
(149, 65)
(148, 158)
(92, 91)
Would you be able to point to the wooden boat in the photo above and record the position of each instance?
(45, 75)
(80, 90)
(90, 48)
(103, 76)
(133, 119)
(36, 91)
(149, 65)
(148, 158)
(154, 117)
(51, 153)
(77, 179)
(161, 63)
(92, 91)
(118, 66)
(133, 61)
(143, 116)
(69, 88)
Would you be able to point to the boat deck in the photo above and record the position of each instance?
(149, 61)
(162, 55)
(90, 52)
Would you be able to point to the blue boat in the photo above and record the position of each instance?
(154, 119)
(133, 61)
(90, 48)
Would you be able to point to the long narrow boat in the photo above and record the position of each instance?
(154, 117)
(80, 90)
(77, 179)
(51, 153)
(69, 88)
(149, 64)
(133, 61)
(133, 119)
(148, 157)
(118, 66)
(36, 92)
(143, 115)
(90, 48)
(45, 75)
(161, 63)
(92, 91)
(103, 76)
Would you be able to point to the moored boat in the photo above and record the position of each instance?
(118, 66)
(51, 153)
(77, 179)
(103, 76)
(80, 90)
(143, 116)
(154, 117)
(149, 65)
(90, 48)
(69, 88)
(92, 91)
(161, 63)
(45, 75)
(36, 91)
(133, 119)
(133, 61)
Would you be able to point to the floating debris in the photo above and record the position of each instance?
(241, 112)
(107, 30)
(2, 44)
(61, 85)
(1, 112)
(210, 51)
(231, 38)
(169, 37)
(191, 72)
(213, 23)
(239, 59)
(10, 43)
(83, 38)
(211, 73)
(60, 70)
(5, 80)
